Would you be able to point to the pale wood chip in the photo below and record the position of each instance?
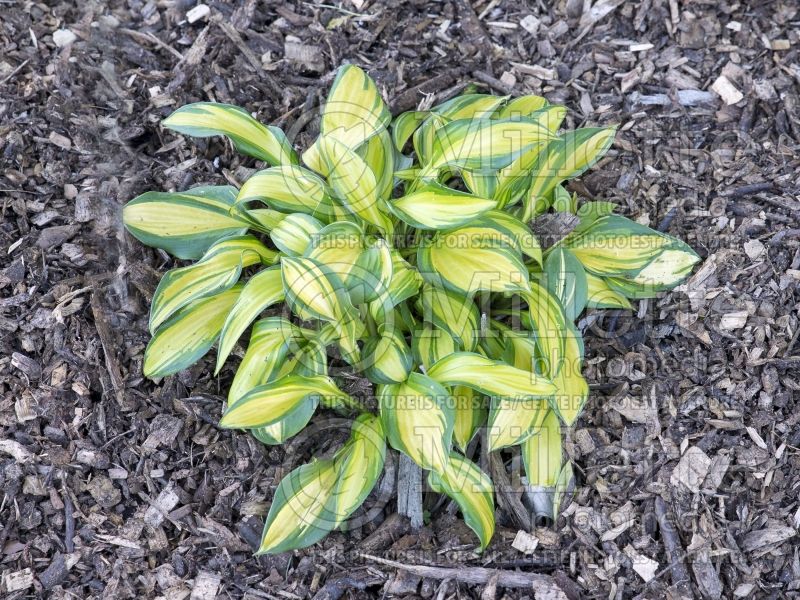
(692, 469)
(644, 566)
(205, 586)
(733, 320)
(525, 542)
(17, 580)
(201, 11)
(726, 90)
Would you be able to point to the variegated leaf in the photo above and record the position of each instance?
(435, 206)
(464, 482)
(523, 106)
(431, 344)
(378, 153)
(313, 290)
(508, 230)
(418, 420)
(186, 336)
(354, 110)
(186, 223)
(464, 107)
(270, 402)
(483, 144)
(386, 357)
(549, 324)
(260, 292)
(600, 295)
(359, 464)
(470, 414)
(339, 246)
(541, 453)
(217, 271)
(564, 276)
(566, 158)
(472, 259)
(493, 378)
(271, 340)
(613, 246)
(290, 188)
(452, 312)
(354, 182)
(405, 125)
(572, 390)
(513, 180)
(293, 234)
(512, 420)
(563, 484)
(300, 514)
(205, 119)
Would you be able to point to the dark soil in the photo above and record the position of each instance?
(688, 453)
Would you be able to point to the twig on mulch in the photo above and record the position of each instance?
(393, 528)
(409, 98)
(153, 39)
(541, 584)
(234, 36)
(746, 190)
(507, 499)
(9, 524)
(409, 491)
(69, 524)
(104, 332)
(19, 68)
(493, 82)
(672, 544)
(336, 586)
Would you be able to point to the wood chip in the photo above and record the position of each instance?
(754, 435)
(403, 584)
(726, 90)
(716, 472)
(17, 580)
(59, 140)
(768, 538)
(409, 491)
(63, 37)
(116, 540)
(308, 56)
(754, 249)
(542, 586)
(537, 71)
(163, 431)
(525, 542)
(530, 24)
(733, 320)
(166, 501)
(201, 11)
(205, 586)
(599, 10)
(691, 470)
(685, 98)
(617, 531)
(508, 79)
(644, 566)
(16, 451)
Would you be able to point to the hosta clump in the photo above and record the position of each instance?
(402, 250)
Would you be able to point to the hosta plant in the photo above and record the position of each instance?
(400, 250)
